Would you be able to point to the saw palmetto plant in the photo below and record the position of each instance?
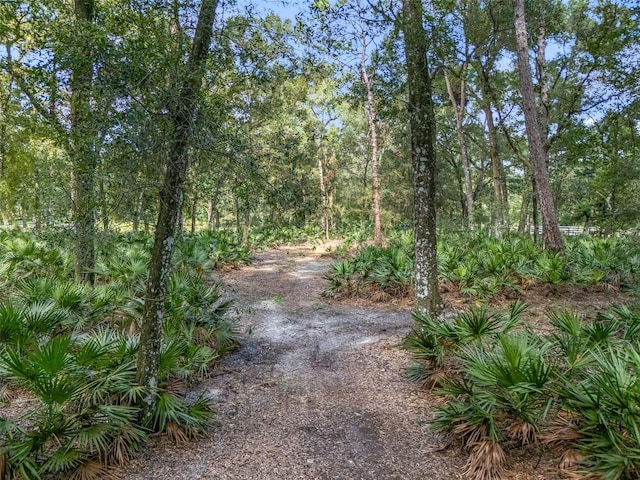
(436, 344)
(575, 387)
(71, 350)
(604, 404)
(483, 267)
(88, 403)
(500, 399)
(79, 417)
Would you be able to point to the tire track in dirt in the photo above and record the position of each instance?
(315, 391)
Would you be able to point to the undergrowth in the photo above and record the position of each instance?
(68, 352)
(576, 387)
(482, 267)
(270, 237)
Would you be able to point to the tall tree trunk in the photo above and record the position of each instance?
(3, 137)
(551, 231)
(137, 211)
(373, 137)
(458, 103)
(145, 222)
(365, 197)
(236, 204)
(23, 215)
(246, 226)
(37, 202)
(211, 206)
(182, 116)
(4, 103)
(104, 208)
(194, 210)
(500, 207)
(5, 99)
(82, 146)
(423, 155)
(213, 214)
(459, 183)
(523, 222)
(179, 233)
(543, 86)
(323, 194)
(330, 191)
(534, 211)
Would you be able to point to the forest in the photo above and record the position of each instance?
(462, 160)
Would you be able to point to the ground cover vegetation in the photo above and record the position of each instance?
(573, 386)
(69, 349)
(566, 385)
(242, 127)
(481, 267)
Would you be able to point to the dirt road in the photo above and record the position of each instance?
(316, 390)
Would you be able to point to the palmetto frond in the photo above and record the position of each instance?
(606, 402)
(22, 324)
(173, 410)
(125, 270)
(91, 470)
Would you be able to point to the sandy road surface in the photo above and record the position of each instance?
(315, 392)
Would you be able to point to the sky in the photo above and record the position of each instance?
(284, 8)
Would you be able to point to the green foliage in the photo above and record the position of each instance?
(198, 324)
(65, 346)
(503, 387)
(377, 273)
(124, 269)
(26, 324)
(434, 342)
(613, 263)
(206, 250)
(269, 237)
(577, 385)
(484, 267)
(605, 403)
(81, 414)
(22, 255)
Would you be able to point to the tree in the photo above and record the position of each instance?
(70, 53)
(550, 229)
(423, 157)
(83, 144)
(485, 30)
(349, 34)
(182, 115)
(458, 98)
(372, 117)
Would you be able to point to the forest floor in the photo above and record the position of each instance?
(316, 389)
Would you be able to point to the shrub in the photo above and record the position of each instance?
(64, 345)
(577, 386)
(484, 267)
(604, 406)
(376, 273)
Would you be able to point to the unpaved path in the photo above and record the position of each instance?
(316, 391)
